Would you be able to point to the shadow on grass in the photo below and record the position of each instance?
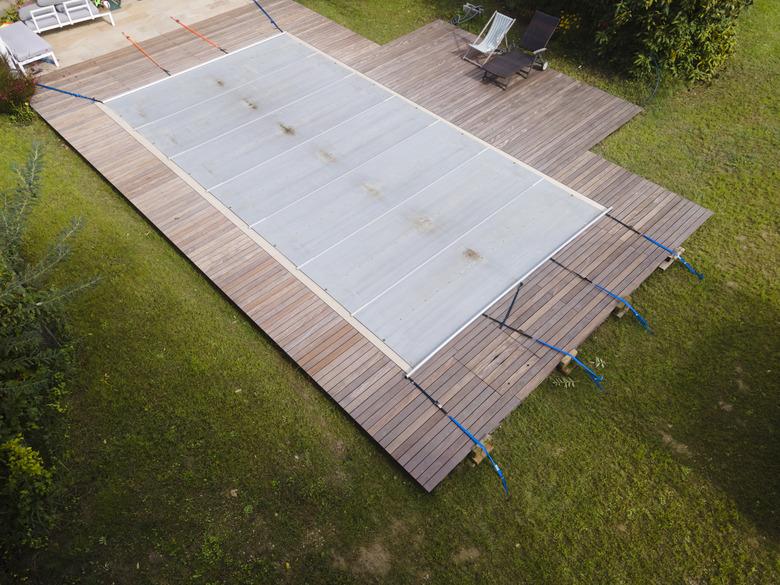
(729, 430)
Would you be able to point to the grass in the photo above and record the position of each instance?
(199, 454)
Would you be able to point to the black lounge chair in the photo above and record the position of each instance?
(522, 60)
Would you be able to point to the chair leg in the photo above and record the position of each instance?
(525, 73)
(473, 61)
(539, 63)
(466, 56)
(492, 78)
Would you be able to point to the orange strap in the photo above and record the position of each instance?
(199, 35)
(145, 54)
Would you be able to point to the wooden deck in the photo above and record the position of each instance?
(549, 121)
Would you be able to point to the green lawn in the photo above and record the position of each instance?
(198, 453)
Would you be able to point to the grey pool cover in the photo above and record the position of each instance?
(409, 223)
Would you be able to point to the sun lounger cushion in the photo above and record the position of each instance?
(44, 21)
(23, 43)
(26, 10)
(85, 10)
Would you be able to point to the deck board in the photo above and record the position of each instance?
(549, 121)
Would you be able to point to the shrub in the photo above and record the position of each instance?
(23, 114)
(25, 486)
(32, 361)
(11, 13)
(690, 39)
(35, 358)
(15, 88)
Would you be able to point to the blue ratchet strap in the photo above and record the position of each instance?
(673, 254)
(468, 433)
(597, 380)
(479, 444)
(268, 16)
(615, 296)
(70, 93)
(676, 256)
(642, 320)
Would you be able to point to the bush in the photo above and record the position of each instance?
(25, 486)
(11, 13)
(15, 88)
(23, 114)
(690, 39)
(35, 358)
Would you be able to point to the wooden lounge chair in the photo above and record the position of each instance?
(20, 46)
(522, 60)
(488, 43)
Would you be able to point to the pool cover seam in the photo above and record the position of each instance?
(214, 97)
(249, 46)
(346, 173)
(300, 144)
(391, 209)
(259, 118)
(452, 243)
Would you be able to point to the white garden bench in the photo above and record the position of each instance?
(62, 14)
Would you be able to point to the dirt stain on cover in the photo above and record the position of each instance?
(289, 130)
(423, 224)
(371, 190)
(328, 157)
(472, 255)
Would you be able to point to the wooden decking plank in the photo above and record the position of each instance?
(392, 423)
(450, 437)
(361, 404)
(342, 374)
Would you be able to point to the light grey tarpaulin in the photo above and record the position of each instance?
(409, 223)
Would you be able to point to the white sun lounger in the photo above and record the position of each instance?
(65, 14)
(486, 44)
(21, 46)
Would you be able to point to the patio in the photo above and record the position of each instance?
(141, 20)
